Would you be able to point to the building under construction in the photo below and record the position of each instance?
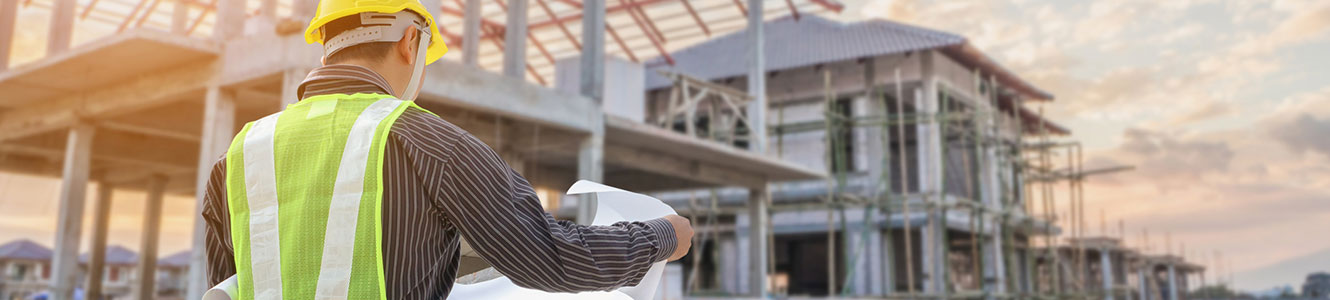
(816, 158)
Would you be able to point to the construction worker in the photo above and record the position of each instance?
(354, 192)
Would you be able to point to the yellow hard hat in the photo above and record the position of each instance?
(330, 10)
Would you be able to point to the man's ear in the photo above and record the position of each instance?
(323, 60)
(406, 47)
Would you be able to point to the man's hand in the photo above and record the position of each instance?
(683, 231)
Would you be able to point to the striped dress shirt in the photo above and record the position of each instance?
(442, 184)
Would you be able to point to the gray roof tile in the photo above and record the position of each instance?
(179, 259)
(24, 249)
(810, 40)
(115, 255)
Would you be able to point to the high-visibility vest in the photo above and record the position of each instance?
(304, 188)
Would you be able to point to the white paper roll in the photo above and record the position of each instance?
(223, 291)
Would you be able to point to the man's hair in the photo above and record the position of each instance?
(372, 52)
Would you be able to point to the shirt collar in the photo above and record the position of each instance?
(343, 79)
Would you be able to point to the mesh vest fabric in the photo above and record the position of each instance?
(308, 144)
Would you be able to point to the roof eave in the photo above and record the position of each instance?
(969, 54)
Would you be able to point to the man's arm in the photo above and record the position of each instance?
(221, 260)
(497, 211)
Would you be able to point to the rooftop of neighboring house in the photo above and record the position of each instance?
(810, 40)
(115, 255)
(24, 249)
(179, 259)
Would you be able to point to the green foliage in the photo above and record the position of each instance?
(1218, 292)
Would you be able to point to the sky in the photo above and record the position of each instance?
(1221, 106)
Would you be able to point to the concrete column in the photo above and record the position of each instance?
(930, 173)
(996, 264)
(152, 227)
(219, 112)
(434, 7)
(1106, 269)
(514, 160)
(1028, 269)
(730, 272)
(743, 244)
(471, 33)
(591, 153)
(871, 269)
(888, 260)
(1144, 288)
(514, 40)
(180, 17)
(97, 258)
(230, 20)
(62, 27)
(592, 67)
(291, 79)
(8, 16)
(757, 251)
(590, 166)
(757, 78)
(1172, 282)
(69, 225)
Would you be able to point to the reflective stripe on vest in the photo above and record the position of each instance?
(304, 199)
(261, 192)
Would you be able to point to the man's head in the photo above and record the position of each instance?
(395, 60)
(395, 38)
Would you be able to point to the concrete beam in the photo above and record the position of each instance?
(757, 78)
(219, 112)
(152, 228)
(514, 40)
(592, 67)
(471, 33)
(69, 225)
(62, 27)
(136, 94)
(97, 260)
(680, 167)
(8, 16)
(486, 92)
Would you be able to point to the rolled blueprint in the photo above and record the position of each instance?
(223, 291)
(613, 205)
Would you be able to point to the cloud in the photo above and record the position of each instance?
(1304, 134)
(1211, 110)
(1169, 159)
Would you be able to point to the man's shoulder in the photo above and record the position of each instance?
(417, 127)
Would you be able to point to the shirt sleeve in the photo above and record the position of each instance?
(221, 258)
(497, 211)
